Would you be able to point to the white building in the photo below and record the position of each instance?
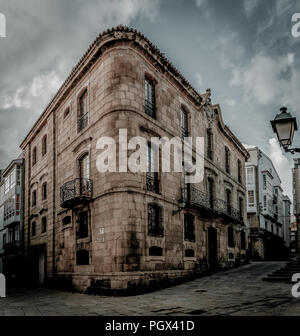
(265, 210)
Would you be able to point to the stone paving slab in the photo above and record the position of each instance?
(237, 292)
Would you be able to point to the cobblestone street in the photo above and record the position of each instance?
(239, 291)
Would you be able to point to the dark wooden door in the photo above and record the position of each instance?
(212, 248)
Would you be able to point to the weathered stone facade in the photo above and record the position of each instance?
(113, 252)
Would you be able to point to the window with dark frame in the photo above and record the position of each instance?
(44, 225)
(228, 200)
(44, 191)
(44, 145)
(230, 236)
(227, 160)
(241, 208)
(83, 225)
(150, 104)
(210, 190)
(155, 251)
(184, 124)
(4, 240)
(239, 171)
(189, 253)
(155, 225)
(152, 179)
(34, 198)
(67, 220)
(209, 147)
(34, 156)
(33, 229)
(83, 111)
(243, 240)
(82, 257)
(189, 227)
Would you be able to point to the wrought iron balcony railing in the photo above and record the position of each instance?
(197, 198)
(75, 192)
(150, 109)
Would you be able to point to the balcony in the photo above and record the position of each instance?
(215, 207)
(78, 191)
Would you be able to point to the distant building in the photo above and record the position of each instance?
(11, 219)
(265, 210)
(286, 219)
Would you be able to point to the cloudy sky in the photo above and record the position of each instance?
(242, 49)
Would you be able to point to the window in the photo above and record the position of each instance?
(227, 160)
(34, 198)
(189, 227)
(67, 220)
(241, 207)
(18, 175)
(250, 175)
(209, 147)
(228, 200)
(33, 229)
(155, 251)
(265, 202)
(83, 225)
(210, 190)
(239, 171)
(44, 191)
(184, 124)
(34, 156)
(243, 240)
(189, 253)
(155, 226)
(83, 111)
(44, 224)
(4, 240)
(264, 182)
(44, 145)
(17, 233)
(150, 108)
(82, 257)
(152, 180)
(84, 167)
(10, 181)
(9, 208)
(230, 236)
(66, 113)
(251, 198)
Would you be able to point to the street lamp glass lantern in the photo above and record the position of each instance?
(284, 125)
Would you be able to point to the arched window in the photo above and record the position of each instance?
(44, 145)
(83, 111)
(44, 191)
(150, 108)
(155, 251)
(155, 225)
(34, 156)
(82, 257)
(33, 198)
(230, 237)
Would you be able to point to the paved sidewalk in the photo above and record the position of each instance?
(240, 291)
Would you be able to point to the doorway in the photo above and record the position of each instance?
(213, 248)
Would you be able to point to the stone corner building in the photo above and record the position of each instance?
(118, 231)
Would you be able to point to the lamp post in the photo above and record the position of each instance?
(284, 125)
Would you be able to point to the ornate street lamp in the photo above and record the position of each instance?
(284, 125)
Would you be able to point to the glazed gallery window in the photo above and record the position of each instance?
(150, 108)
(251, 201)
(184, 124)
(10, 181)
(83, 111)
(9, 209)
(152, 181)
(83, 225)
(250, 175)
(189, 227)
(230, 236)
(155, 226)
(264, 182)
(44, 145)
